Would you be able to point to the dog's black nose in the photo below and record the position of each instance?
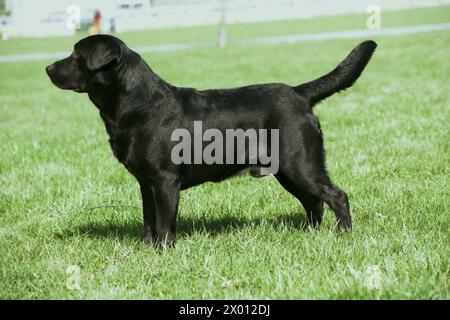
(49, 69)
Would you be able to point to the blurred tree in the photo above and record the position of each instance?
(2, 8)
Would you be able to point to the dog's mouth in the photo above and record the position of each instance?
(62, 84)
(68, 87)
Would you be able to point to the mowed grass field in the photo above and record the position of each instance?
(66, 204)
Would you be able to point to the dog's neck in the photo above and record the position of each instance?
(138, 92)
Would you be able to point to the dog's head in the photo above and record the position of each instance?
(93, 63)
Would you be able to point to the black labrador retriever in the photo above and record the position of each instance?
(141, 112)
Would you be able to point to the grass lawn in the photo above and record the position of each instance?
(65, 201)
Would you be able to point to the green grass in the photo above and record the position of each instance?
(64, 199)
(240, 31)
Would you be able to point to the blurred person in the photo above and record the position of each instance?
(96, 23)
(112, 25)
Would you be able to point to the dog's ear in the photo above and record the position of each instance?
(103, 54)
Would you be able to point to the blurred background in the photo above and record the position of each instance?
(50, 17)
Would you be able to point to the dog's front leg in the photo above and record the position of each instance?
(148, 208)
(167, 194)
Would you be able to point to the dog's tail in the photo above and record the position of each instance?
(341, 78)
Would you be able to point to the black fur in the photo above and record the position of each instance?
(140, 112)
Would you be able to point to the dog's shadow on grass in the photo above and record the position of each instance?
(185, 227)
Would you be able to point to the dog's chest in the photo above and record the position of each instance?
(120, 146)
(119, 141)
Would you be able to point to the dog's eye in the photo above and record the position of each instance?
(75, 55)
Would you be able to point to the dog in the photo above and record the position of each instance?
(141, 111)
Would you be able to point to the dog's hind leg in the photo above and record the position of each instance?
(302, 172)
(337, 200)
(319, 185)
(314, 209)
(312, 204)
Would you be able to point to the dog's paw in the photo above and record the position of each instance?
(148, 239)
(165, 242)
(345, 224)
